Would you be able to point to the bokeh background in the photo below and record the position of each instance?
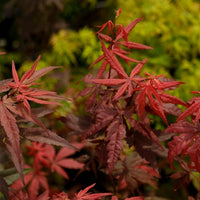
(63, 33)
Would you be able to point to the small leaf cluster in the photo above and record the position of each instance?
(16, 95)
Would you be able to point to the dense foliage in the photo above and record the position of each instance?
(116, 143)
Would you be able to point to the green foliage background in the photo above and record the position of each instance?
(172, 28)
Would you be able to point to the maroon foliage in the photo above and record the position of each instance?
(14, 101)
(120, 135)
(119, 105)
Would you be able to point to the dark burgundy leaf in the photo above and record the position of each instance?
(38, 135)
(115, 134)
(12, 132)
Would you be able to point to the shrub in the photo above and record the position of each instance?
(117, 140)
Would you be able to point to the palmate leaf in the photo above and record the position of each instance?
(21, 88)
(37, 96)
(15, 104)
(84, 195)
(180, 144)
(152, 90)
(114, 47)
(35, 180)
(56, 162)
(119, 52)
(20, 83)
(136, 171)
(127, 83)
(8, 122)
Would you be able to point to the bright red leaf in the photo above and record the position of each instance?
(36, 181)
(21, 88)
(153, 90)
(127, 83)
(186, 143)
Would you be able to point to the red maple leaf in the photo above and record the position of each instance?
(35, 180)
(136, 171)
(127, 83)
(118, 33)
(109, 119)
(59, 161)
(84, 195)
(38, 151)
(21, 88)
(186, 143)
(153, 89)
(15, 103)
(109, 56)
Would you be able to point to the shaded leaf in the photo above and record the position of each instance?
(38, 135)
(39, 73)
(115, 133)
(4, 188)
(12, 132)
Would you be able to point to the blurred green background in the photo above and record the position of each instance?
(63, 32)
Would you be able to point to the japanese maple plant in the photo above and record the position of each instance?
(120, 124)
